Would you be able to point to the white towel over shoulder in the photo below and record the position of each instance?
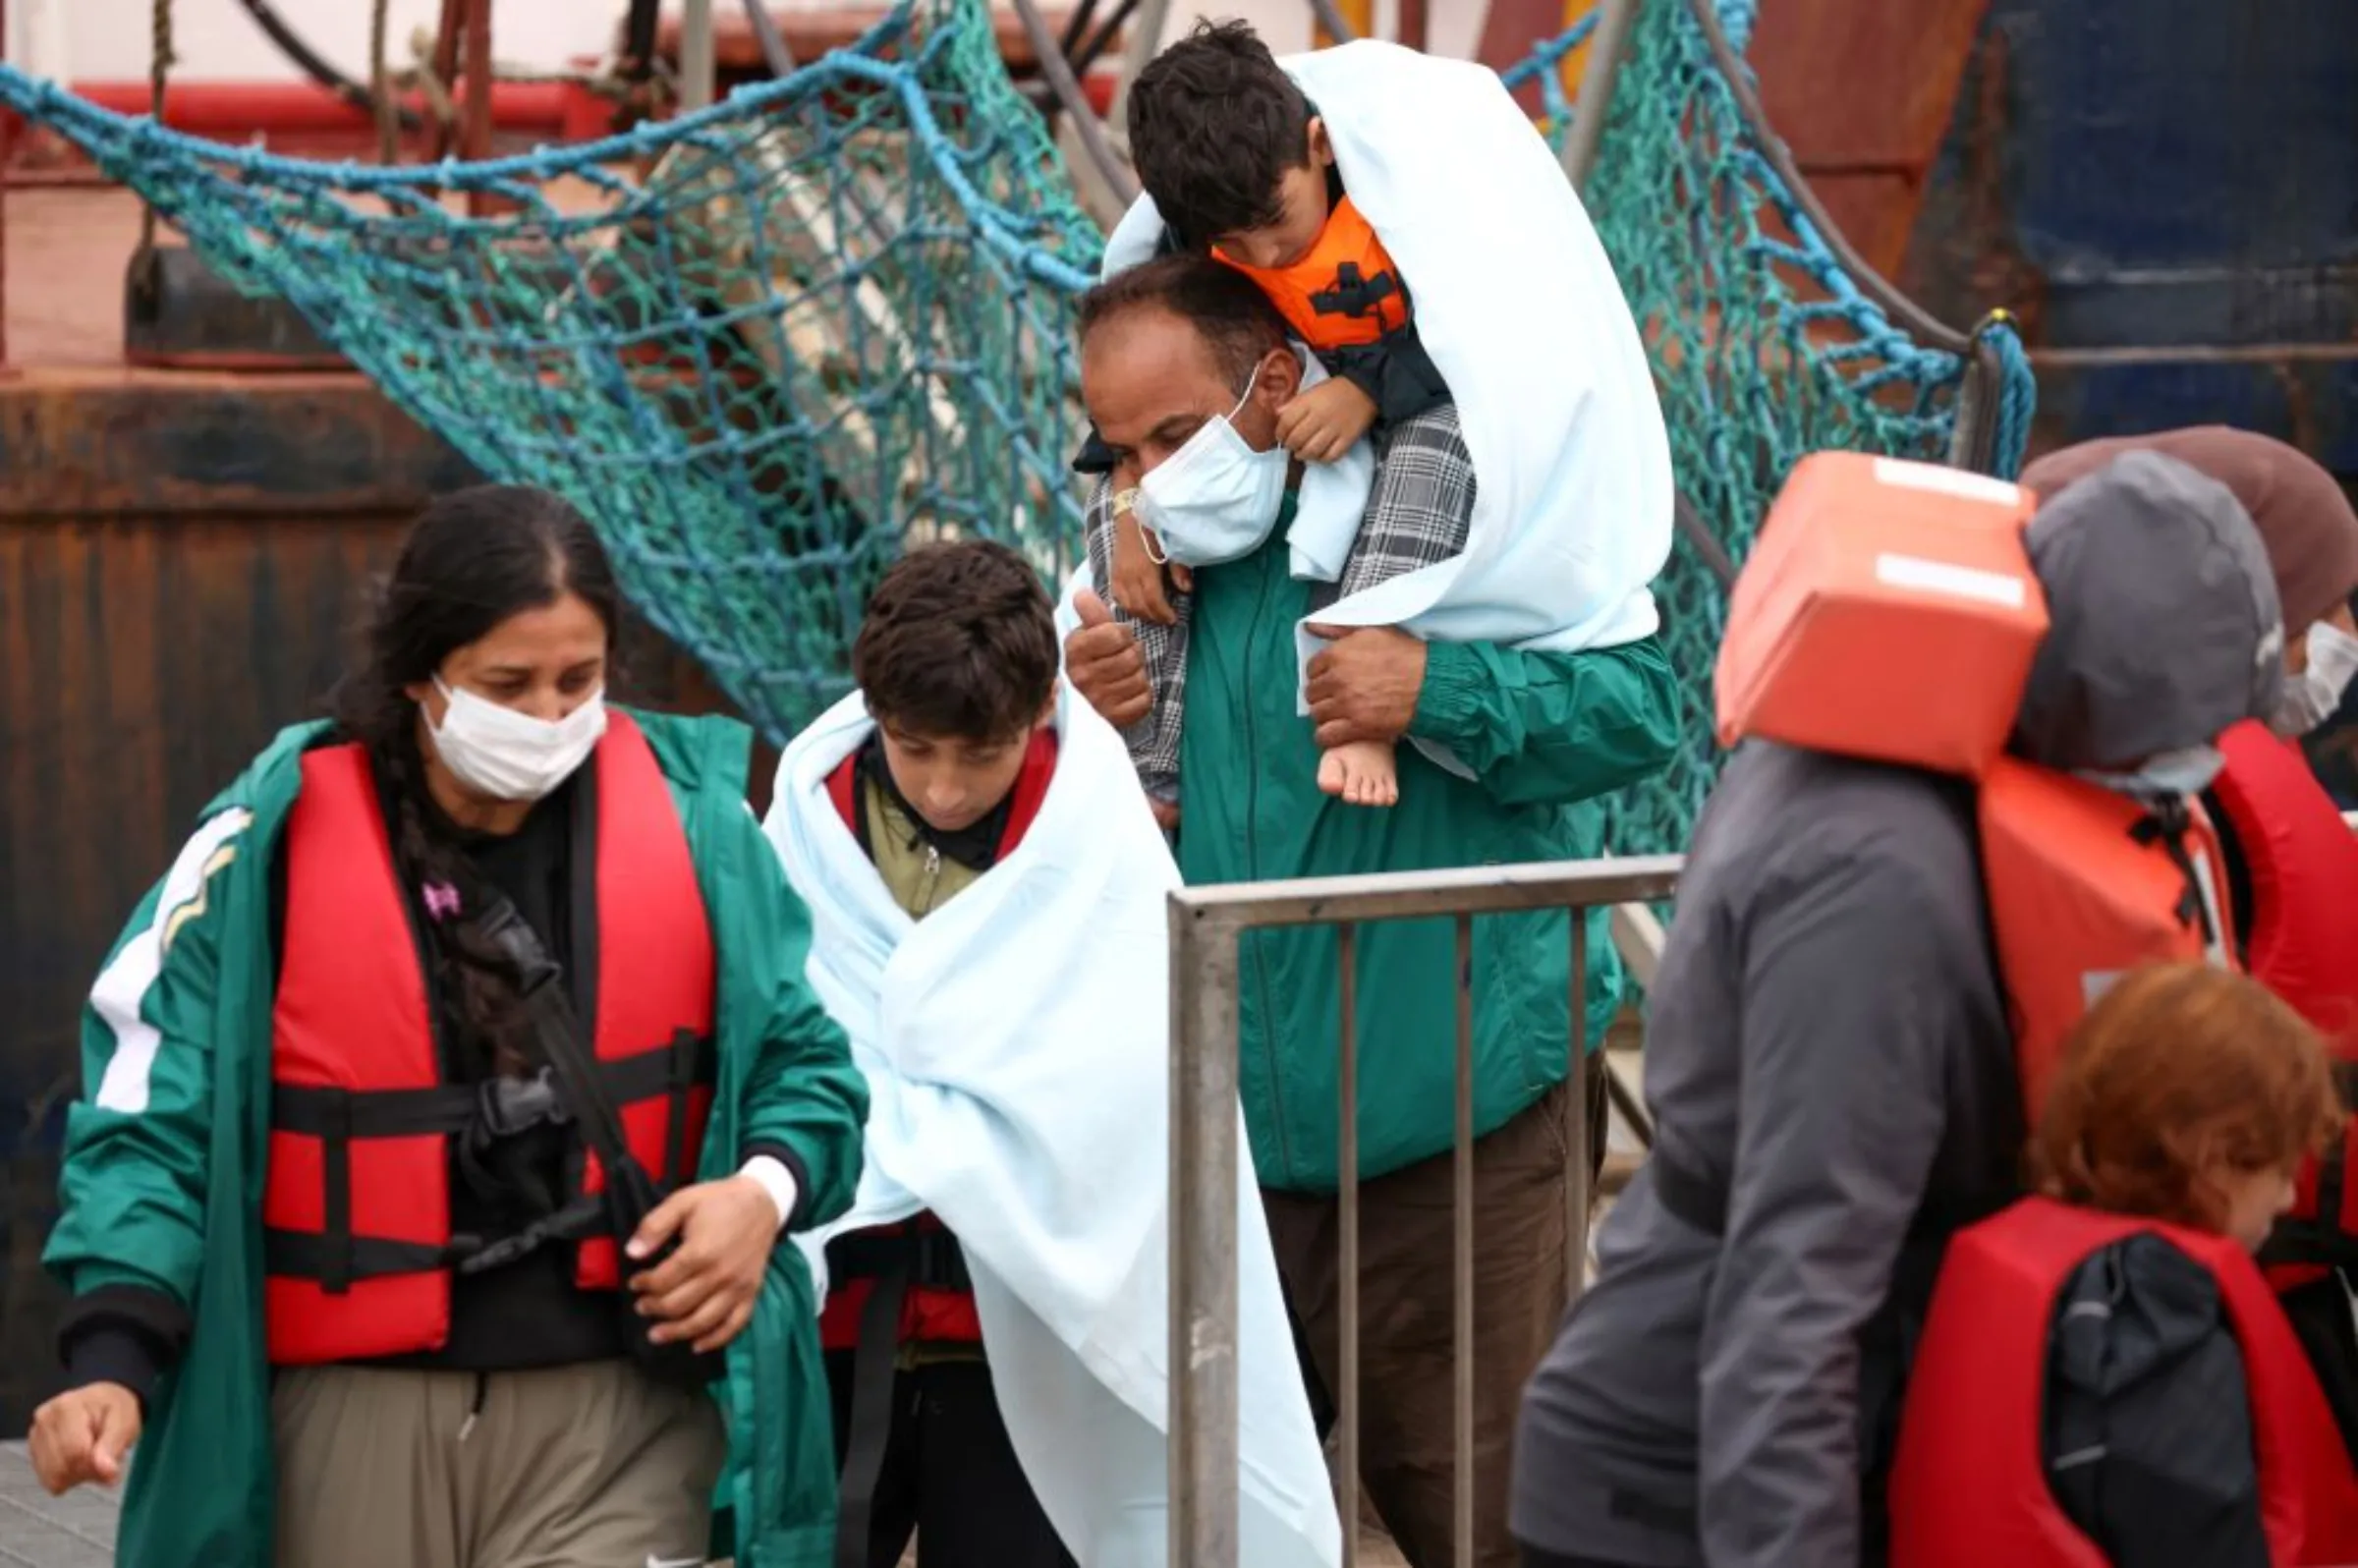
(1016, 1048)
(1519, 306)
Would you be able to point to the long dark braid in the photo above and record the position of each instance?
(472, 560)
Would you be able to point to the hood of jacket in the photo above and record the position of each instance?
(2165, 624)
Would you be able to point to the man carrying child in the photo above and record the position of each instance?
(1501, 628)
(1166, 346)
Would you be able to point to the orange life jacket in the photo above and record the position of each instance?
(1889, 612)
(1969, 1483)
(2083, 884)
(2302, 864)
(1344, 292)
(356, 1207)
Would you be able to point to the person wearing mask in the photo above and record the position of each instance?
(1185, 355)
(447, 1102)
(1832, 1056)
(2291, 860)
(2104, 1366)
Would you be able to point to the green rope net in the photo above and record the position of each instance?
(1764, 348)
(767, 345)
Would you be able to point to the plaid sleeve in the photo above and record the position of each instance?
(1154, 741)
(1421, 506)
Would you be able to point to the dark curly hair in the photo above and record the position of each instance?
(959, 643)
(1215, 124)
(1235, 319)
(474, 558)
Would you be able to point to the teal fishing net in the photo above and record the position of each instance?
(768, 345)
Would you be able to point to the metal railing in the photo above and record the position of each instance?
(1207, 924)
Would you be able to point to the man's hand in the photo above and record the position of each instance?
(1102, 661)
(1138, 576)
(1321, 424)
(82, 1435)
(1365, 687)
(704, 1292)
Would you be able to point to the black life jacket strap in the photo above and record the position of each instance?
(875, 1372)
(336, 1257)
(1354, 294)
(2167, 824)
(337, 1262)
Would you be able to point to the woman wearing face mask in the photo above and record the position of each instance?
(2292, 863)
(445, 1105)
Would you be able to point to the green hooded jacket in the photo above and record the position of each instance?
(168, 1196)
(1545, 734)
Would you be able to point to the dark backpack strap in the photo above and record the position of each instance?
(875, 1372)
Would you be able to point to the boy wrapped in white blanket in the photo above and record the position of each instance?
(987, 892)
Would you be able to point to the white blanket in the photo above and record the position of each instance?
(1521, 311)
(1015, 1049)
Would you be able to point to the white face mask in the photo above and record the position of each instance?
(2314, 695)
(508, 755)
(1216, 499)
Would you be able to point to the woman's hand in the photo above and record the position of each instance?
(1322, 423)
(704, 1292)
(83, 1434)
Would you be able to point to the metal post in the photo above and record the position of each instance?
(1973, 439)
(1461, 1261)
(478, 133)
(1581, 1159)
(8, 163)
(1414, 30)
(699, 72)
(1120, 185)
(1146, 41)
(1617, 20)
(1204, 1241)
(1347, 1184)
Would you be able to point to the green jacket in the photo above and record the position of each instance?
(167, 1192)
(1545, 732)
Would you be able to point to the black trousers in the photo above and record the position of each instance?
(949, 1475)
(1533, 1557)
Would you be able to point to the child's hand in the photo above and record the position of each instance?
(1138, 574)
(1321, 424)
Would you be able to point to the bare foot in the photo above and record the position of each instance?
(1362, 774)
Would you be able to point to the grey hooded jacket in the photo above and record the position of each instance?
(1828, 1057)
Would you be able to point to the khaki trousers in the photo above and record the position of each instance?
(1407, 1317)
(593, 1466)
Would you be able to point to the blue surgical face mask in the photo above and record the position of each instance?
(2189, 770)
(2314, 696)
(1216, 499)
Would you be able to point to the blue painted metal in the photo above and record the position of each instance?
(2186, 172)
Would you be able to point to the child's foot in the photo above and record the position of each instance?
(1362, 774)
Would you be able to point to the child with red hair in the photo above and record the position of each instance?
(2187, 1100)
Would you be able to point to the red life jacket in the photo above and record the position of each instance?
(1344, 293)
(1969, 1483)
(357, 1201)
(2302, 860)
(939, 1308)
